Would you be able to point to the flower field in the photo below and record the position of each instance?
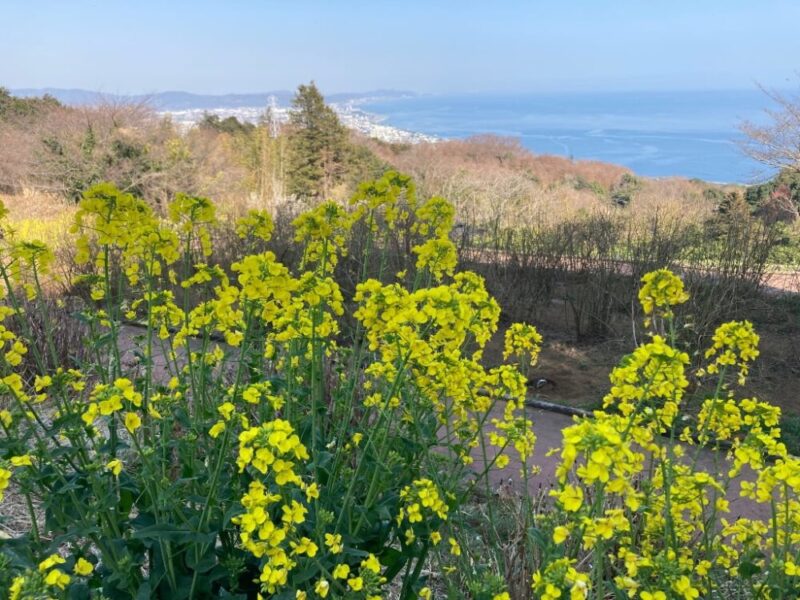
(290, 430)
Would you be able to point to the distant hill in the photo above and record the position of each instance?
(178, 100)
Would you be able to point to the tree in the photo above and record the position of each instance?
(230, 125)
(777, 199)
(777, 143)
(624, 191)
(318, 145)
(12, 107)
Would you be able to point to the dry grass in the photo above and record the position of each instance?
(33, 204)
(496, 180)
(16, 519)
(672, 198)
(490, 153)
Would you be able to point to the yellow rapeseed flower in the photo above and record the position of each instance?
(322, 588)
(83, 567)
(132, 421)
(660, 291)
(341, 571)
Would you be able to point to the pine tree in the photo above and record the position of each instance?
(318, 146)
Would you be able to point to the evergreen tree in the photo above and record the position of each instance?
(319, 146)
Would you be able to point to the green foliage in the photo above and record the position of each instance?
(73, 164)
(785, 185)
(790, 433)
(714, 194)
(230, 125)
(319, 148)
(363, 164)
(731, 204)
(581, 183)
(12, 107)
(625, 190)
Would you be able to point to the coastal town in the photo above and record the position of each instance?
(349, 113)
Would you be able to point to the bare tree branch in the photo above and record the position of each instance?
(777, 143)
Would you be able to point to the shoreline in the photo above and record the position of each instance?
(349, 113)
(375, 126)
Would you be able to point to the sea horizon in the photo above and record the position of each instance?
(687, 133)
(656, 133)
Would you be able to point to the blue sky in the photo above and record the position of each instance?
(210, 46)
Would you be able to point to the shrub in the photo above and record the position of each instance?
(625, 190)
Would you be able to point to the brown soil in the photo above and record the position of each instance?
(577, 372)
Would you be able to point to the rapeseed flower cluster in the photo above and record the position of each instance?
(269, 525)
(524, 342)
(735, 344)
(386, 202)
(660, 291)
(194, 216)
(256, 224)
(29, 261)
(49, 580)
(323, 232)
(438, 255)
(649, 384)
(421, 504)
(12, 348)
(251, 439)
(634, 498)
(118, 228)
(5, 477)
(108, 399)
(560, 579)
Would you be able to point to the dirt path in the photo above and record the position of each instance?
(547, 426)
(783, 282)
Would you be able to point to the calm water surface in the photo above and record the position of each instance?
(658, 134)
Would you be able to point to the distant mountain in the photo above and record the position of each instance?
(71, 96)
(178, 100)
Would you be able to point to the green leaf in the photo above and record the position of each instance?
(308, 572)
(323, 459)
(537, 537)
(203, 563)
(173, 534)
(747, 569)
(223, 593)
(143, 593)
(78, 591)
(394, 560)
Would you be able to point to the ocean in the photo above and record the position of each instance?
(656, 134)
